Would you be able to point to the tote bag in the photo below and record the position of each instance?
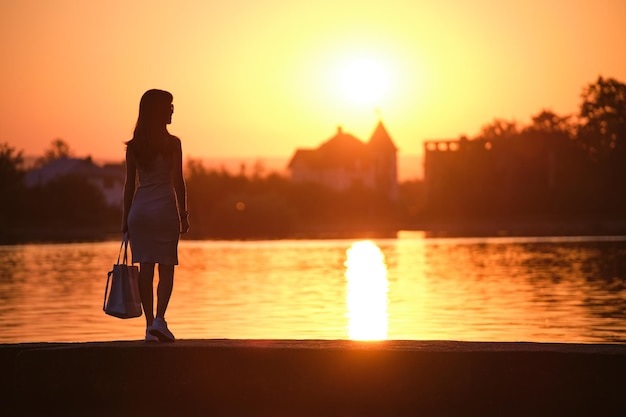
(121, 294)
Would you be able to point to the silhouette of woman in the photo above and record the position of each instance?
(155, 206)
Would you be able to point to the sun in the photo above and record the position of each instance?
(364, 81)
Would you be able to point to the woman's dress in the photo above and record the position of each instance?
(153, 222)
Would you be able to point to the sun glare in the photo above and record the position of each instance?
(366, 297)
(364, 81)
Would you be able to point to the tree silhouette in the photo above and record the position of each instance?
(11, 186)
(58, 149)
(603, 119)
(547, 121)
(498, 129)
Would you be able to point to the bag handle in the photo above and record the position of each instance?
(106, 291)
(124, 245)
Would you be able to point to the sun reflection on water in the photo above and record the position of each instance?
(367, 287)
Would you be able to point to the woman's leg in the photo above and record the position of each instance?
(146, 291)
(164, 290)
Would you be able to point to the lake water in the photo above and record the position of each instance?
(483, 289)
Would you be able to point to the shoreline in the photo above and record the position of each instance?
(429, 231)
(313, 378)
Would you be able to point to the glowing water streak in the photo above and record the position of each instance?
(367, 287)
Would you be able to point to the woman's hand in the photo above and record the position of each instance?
(184, 225)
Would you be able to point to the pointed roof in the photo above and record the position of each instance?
(342, 149)
(303, 157)
(345, 150)
(341, 144)
(380, 139)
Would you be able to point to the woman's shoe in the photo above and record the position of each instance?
(159, 329)
(149, 337)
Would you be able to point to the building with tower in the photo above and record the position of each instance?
(343, 162)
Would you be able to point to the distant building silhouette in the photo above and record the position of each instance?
(108, 178)
(343, 162)
(535, 174)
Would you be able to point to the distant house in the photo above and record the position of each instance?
(344, 161)
(108, 178)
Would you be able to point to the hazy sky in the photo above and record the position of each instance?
(261, 78)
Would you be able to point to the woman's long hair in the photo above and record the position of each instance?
(150, 135)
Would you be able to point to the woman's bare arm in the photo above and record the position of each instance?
(129, 188)
(180, 187)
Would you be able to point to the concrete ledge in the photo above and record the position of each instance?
(312, 378)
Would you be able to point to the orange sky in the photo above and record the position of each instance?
(261, 78)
